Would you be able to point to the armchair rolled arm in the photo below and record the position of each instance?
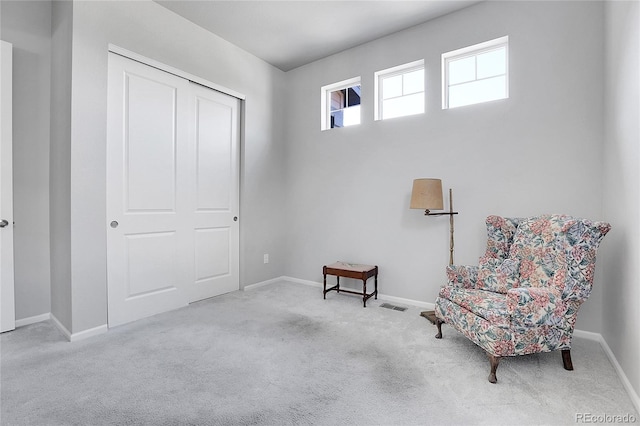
(536, 306)
(463, 276)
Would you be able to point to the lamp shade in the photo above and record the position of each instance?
(427, 194)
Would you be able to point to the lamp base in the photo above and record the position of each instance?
(430, 315)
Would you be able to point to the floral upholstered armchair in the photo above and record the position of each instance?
(524, 295)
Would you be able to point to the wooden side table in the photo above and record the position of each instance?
(351, 270)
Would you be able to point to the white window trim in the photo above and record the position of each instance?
(378, 76)
(325, 102)
(468, 51)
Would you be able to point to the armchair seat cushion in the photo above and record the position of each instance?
(533, 307)
(486, 304)
(519, 307)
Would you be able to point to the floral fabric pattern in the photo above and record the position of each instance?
(485, 304)
(462, 276)
(525, 294)
(500, 232)
(534, 246)
(535, 306)
(498, 275)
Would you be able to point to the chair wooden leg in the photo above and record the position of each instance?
(494, 360)
(566, 359)
(439, 325)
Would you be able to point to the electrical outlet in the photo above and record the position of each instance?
(266, 258)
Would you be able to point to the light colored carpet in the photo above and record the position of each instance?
(281, 355)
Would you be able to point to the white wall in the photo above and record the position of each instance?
(27, 25)
(143, 27)
(60, 158)
(537, 152)
(622, 186)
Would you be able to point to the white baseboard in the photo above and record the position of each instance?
(85, 334)
(633, 395)
(623, 377)
(300, 281)
(596, 337)
(66, 333)
(282, 278)
(32, 320)
(261, 284)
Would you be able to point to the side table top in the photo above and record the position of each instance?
(355, 267)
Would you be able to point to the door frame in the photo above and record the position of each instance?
(7, 284)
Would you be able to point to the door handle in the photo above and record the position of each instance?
(3, 223)
(114, 224)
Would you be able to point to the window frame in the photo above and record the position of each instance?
(325, 99)
(473, 51)
(379, 77)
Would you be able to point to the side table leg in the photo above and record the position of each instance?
(364, 292)
(324, 284)
(376, 284)
(338, 283)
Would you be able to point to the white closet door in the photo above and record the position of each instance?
(172, 191)
(7, 298)
(214, 140)
(149, 239)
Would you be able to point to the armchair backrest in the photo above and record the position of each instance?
(538, 247)
(558, 251)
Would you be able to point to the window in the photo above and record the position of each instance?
(399, 91)
(341, 104)
(476, 74)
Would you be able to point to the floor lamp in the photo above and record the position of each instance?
(427, 195)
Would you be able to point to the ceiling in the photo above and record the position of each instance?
(288, 34)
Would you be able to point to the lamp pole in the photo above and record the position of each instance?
(431, 315)
(450, 213)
